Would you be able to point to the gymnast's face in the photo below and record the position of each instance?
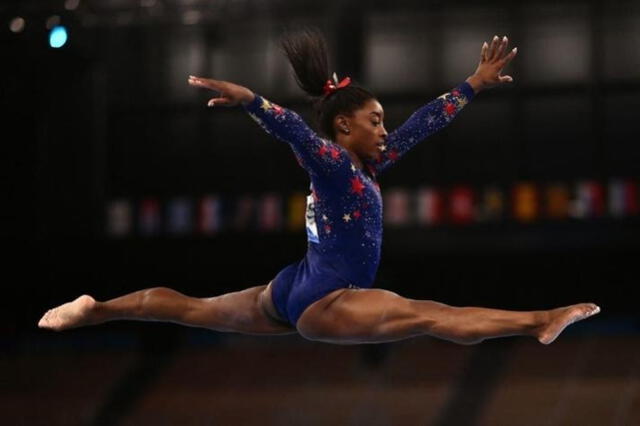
(363, 132)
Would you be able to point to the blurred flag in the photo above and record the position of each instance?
(589, 200)
(119, 218)
(296, 211)
(431, 207)
(179, 216)
(461, 206)
(623, 198)
(209, 215)
(270, 213)
(149, 217)
(525, 202)
(396, 210)
(244, 214)
(557, 201)
(492, 204)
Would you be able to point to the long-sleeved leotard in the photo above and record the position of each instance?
(344, 209)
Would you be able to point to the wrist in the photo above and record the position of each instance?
(476, 83)
(247, 98)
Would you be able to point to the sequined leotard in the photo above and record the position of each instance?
(344, 209)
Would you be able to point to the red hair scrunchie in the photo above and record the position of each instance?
(332, 86)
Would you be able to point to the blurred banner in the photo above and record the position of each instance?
(492, 204)
(430, 206)
(589, 200)
(427, 206)
(525, 202)
(149, 217)
(557, 201)
(397, 209)
(209, 215)
(119, 218)
(461, 205)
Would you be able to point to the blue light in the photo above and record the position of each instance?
(58, 36)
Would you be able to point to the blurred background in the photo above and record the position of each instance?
(117, 177)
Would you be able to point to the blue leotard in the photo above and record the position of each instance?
(344, 209)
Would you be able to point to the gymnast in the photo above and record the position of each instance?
(327, 296)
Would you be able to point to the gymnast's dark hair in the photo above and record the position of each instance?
(306, 50)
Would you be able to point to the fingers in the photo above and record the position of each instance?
(221, 101)
(207, 83)
(496, 50)
(509, 57)
(483, 52)
(492, 49)
(501, 47)
(505, 79)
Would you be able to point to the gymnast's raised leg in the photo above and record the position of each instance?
(373, 316)
(241, 311)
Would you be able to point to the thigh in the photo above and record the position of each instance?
(241, 311)
(361, 315)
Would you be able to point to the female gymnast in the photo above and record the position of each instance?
(327, 296)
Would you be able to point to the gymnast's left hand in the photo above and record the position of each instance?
(493, 59)
(230, 94)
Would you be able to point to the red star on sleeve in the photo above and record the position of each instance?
(357, 186)
(357, 214)
(323, 150)
(393, 155)
(278, 109)
(335, 152)
(450, 108)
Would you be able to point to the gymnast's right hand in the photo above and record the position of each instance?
(230, 94)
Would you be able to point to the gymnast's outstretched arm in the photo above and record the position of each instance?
(437, 114)
(314, 154)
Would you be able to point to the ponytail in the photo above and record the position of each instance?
(307, 52)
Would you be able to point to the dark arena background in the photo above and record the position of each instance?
(117, 177)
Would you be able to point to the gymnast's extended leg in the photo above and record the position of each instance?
(241, 311)
(371, 316)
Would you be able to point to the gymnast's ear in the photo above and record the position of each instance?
(341, 124)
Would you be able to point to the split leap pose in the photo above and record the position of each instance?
(327, 296)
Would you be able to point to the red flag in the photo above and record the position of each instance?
(209, 217)
(461, 205)
(149, 219)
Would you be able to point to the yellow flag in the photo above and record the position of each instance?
(525, 202)
(558, 201)
(296, 211)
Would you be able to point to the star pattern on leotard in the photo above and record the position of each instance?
(357, 186)
(266, 105)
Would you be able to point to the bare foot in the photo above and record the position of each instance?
(69, 315)
(560, 318)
